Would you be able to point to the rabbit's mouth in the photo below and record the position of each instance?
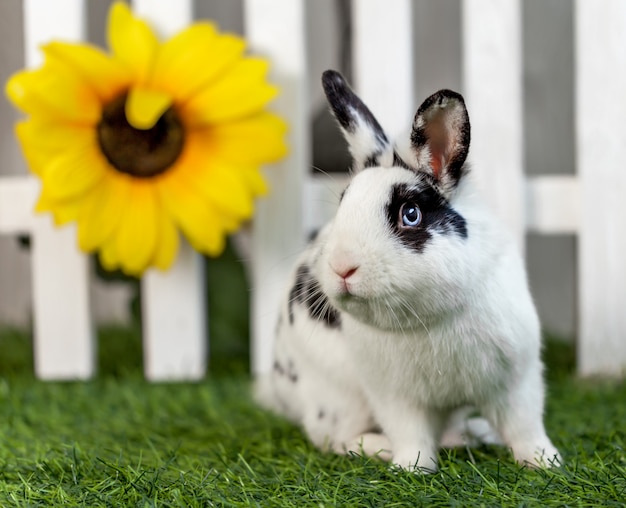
(365, 310)
(350, 303)
(381, 312)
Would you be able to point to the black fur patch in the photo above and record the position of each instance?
(437, 216)
(398, 161)
(289, 371)
(372, 160)
(313, 235)
(278, 368)
(308, 292)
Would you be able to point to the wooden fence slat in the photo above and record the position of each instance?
(383, 61)
(553, 204)
(63, 332)
(174, 320)
(64, 339)
(601, 151)
(174, 309)
(42, 23)
(276, 29)
(492, 72)
(166, 17)
(18, 195)
(64, 345)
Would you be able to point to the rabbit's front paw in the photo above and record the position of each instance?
(422, 461)
(544, 455)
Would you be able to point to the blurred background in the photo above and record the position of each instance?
(548, 67)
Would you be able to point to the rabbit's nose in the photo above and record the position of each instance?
(343, 270)
(344, 263)
(346, 284)
(347, 273)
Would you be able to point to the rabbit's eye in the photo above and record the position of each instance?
(410, 215)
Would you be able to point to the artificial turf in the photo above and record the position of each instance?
(121, 441)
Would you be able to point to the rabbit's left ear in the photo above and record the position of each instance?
(366, 139)
(440, 137)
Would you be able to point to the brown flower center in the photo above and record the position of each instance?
(140, 153)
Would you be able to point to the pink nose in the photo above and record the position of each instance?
(346, 273)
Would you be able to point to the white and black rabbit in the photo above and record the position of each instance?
(411, 305)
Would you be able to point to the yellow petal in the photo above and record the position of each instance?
(102, 210)
(137, 232)
(221, 184)
(167, 246)
(56, 92)
(202, 226)
(253, 178)
(43, 140)
(63, 211)
(132, 41)
(240, 92)
(108, 256)
(194, 57)
(145, 107)
(105, 75)
(73, 172)
(255, 140)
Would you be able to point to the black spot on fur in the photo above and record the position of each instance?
(321, 414)
(372, 160)
(313, 235)
(289, 371)
(307, 291)
(292, 375)
(398, 161)
(437, 216)
(278, 368)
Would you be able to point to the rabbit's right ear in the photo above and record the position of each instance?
(366, 139)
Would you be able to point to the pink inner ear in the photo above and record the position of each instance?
(438, 144)
(435, 163)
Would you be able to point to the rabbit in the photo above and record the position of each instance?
(411, 308)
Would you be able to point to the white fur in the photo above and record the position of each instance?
(423, 336)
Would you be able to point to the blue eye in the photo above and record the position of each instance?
(410, 215)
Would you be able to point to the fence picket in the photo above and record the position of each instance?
(63, 333)
(492, 72)
(383, 61)
(601, 151)
(276, 30)
(174, 303)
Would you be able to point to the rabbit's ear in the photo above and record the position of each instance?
(366, 139)
(440, 137)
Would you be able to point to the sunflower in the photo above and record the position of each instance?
(153, 139)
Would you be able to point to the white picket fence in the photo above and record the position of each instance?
(591, 204)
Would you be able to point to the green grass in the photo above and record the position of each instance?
(120, 441)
